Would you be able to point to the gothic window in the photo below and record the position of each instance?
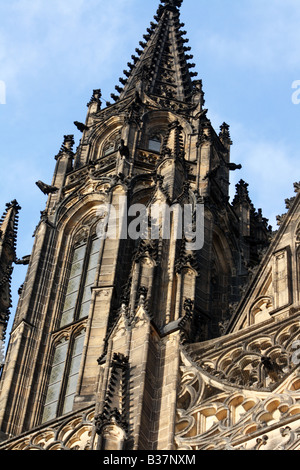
(56, 376)
(109, 148)
(73, 373)
(111, 145)
(81, 280)
(154, 143)
(67, 353)
(63, 377)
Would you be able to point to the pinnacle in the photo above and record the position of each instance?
(172, 3)
(10, 216)
(8, 235)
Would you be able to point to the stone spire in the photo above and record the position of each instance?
(161, 64)
(8, 235)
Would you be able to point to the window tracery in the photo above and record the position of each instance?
(81, 279)
(64, 373)
(68, 340)
(111, 145)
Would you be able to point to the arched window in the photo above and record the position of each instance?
(111, 145)
(73, 372)
(81, 279)
(56, 377)
(63, 377)
(67, 352)
(109, 148)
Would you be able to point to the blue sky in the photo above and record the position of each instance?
(54, 53)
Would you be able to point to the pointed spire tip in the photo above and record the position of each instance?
(172, 3)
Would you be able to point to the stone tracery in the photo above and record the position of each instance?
(250, 389)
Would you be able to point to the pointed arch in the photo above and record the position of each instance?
(106, 138)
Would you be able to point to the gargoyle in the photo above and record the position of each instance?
(233, 166)
(202, 114)
(24, 261)
(123, 149)
(46, 188)
(80, 126)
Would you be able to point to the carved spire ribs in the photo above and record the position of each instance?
(172, 3)
(173, 141)
(9, 224)
(115, 407)
(8, 237)
(162, 62)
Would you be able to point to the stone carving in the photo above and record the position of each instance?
(115, 405)
(46, 188)
(213, 415)
(73, 433)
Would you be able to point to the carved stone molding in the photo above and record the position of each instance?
(213, 415)
(71, 433)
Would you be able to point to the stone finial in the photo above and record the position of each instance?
(96, 97)
(172, 3)
(224, 133)
(67, 146)
(242, 193)
(297, 187)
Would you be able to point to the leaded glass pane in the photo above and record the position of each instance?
(57, 372)
(56, 376)
(87, 294)
(72, 383)
(49, 412)
(93, 260)
(67, 317)
(73, 285)
(79, 253)
(155, 144)
(73, 373)
(75, 365)
(76, 268)
(90, 277)
(96, 245)
(78, 344)
(60, 352)
(70, 301)
(84, 309)
(68, 404)
(53, 392)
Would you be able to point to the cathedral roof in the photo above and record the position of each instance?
(161, 65)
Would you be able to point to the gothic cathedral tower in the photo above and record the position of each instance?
(94, 357)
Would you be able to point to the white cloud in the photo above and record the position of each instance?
(262, 34)
(60, 39)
